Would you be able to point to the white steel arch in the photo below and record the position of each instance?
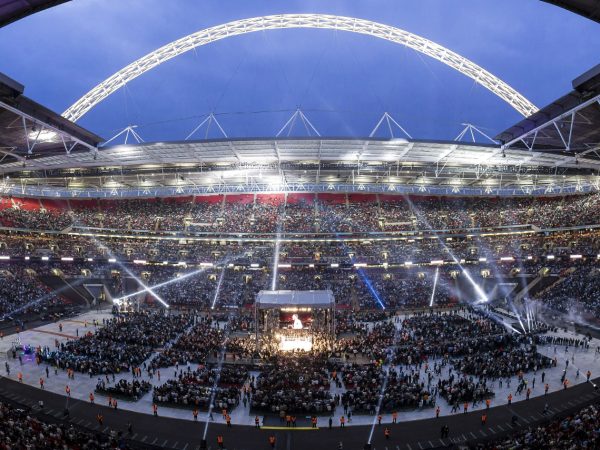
(282, 21)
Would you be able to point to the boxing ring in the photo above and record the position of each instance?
(294, 320)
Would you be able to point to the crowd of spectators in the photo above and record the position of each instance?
(22, 293)
(307, 215)
(577, 292)
(195, 389)
(21, 430)
(504, 361)
(294, 385)
(131, 390)
(364, 383)
(122, 343)
(463, 389)
(575, 431)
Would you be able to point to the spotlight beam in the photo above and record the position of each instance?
(159, 285)
(41, 299)
(435, 280)
(218, 290)
(483, 298)
(175, 280)
(276, 255)
(130, 273)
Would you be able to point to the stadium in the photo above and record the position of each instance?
(294, 289)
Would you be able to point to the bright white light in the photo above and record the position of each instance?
(482, 259)
(437, 261)
(112, 260)
(335, 265)
(576, 256)
(139, 261)
(550, 257)
(90, 259)
(507, 258)
(530, 257)
(289, 343)
(45, 258)
(435, 280)
(206, 264)
(42, 136)
(360, 265)
(254, 265)
(284, 266)
(27, 258)
(4, 258)
(312, 265)
(408, 263)
(66, 258)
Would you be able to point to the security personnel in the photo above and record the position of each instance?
(394, 416)
(68, 390)
(195, 413)
(342, 421)
(256, 422)
(379, 419)
(488, 402)
(387, 433)
(313, 421)
(220, 441)
(91, 398)
(509, 399)
(155, 409)
(483, 418)
(272, 441)
(100, 419)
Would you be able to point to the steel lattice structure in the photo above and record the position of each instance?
(283, 21)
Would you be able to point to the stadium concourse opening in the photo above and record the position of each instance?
(295, 320)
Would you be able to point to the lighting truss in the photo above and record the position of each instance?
(285, 21)
(9, 188)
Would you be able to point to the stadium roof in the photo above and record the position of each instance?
(295, 299)
(13, 10)
(585, 8)
(29, 130)
(394, 166)
(570, 124)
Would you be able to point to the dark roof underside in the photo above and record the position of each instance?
(586, 127)
(14, 138)
(586, 8)
(13, 10)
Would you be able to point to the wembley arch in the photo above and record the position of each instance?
(283, 21)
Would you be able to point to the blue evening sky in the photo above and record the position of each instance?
(343, 81)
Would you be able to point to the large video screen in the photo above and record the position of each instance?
(295, 320)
